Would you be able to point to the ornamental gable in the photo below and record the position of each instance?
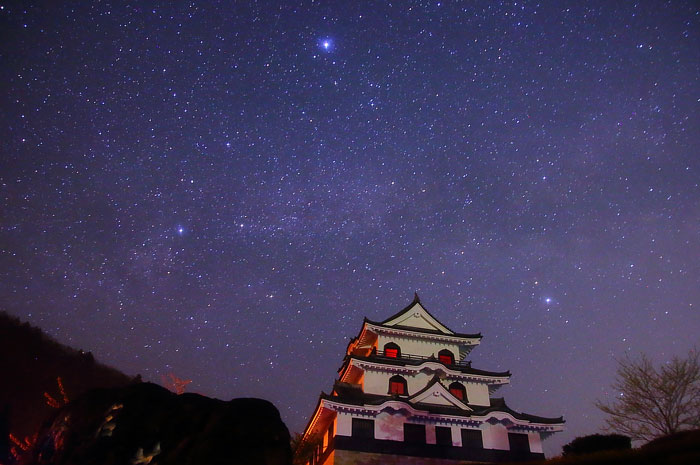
(436, 394)
(416, 316)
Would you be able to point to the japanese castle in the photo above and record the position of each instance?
(407, 395)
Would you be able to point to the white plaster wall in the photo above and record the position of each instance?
(495, 437)
(535, 442)
(477, 393)
(430, 434)
(411, 346)
(456, 435)
(377, 382)
(343, 426)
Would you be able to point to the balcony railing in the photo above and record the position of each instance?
(421, 358)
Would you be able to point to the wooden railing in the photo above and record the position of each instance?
(421, 358)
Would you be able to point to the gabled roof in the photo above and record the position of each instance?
(434, 393)
(415, 317)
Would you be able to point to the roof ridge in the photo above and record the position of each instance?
(422, 330)
(498, 404)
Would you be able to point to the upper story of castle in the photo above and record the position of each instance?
(411, 347)
(413, 333)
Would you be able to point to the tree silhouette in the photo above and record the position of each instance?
(652, 401)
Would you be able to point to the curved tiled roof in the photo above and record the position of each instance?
(467, 369)
(353, 395)
(423, 330)
(498, 404)
(416, 300)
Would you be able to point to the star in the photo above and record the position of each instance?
(326, 45)
(341, 159)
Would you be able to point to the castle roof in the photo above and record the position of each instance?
(424, 330)
(349, 394)
(416, 318)
(465, 368)
(435, 389)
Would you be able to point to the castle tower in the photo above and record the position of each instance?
(406, 395)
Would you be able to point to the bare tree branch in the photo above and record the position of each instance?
(654, 402)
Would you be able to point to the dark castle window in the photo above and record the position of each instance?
(518, 442)
(362, 428)
(413, 433)
(458, 390)
(392, 350)
(446, 357)
(472, 438)
(443, 436)
(397, 385)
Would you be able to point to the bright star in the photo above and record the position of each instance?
(548, 300)
(180, 230)
(326, 44)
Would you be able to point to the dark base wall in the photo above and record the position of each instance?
(395, 452)
(346, 457)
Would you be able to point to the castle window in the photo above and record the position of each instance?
(443, 436)
(518, 442)
(397, 385)
(392, 350)
(446, 357)
(471, 438)
(458, 390)
(414, 433)
(362, 428)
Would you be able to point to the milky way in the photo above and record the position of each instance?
(224, 191)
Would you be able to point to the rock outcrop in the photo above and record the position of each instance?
(147, 424)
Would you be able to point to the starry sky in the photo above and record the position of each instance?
(223, 190)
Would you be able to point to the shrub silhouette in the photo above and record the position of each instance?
(596, 443)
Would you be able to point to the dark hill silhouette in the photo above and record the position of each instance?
(146, 423)
(30, 364)
(115, 419)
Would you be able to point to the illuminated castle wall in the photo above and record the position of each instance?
(407, 395)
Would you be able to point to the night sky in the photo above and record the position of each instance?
(224, 190)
